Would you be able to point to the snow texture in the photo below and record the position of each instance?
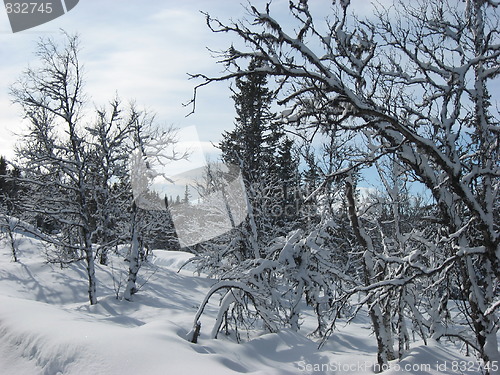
(47, 327)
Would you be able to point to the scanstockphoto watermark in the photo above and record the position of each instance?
(157, 172)
(282, 200)
(335, 367)
(25, 15)
(456, 367)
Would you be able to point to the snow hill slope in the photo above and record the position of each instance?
(47, 327)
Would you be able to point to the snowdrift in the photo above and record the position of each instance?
(47, 327)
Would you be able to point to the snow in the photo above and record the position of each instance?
(48, 327)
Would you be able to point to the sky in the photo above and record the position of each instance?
(140, 51)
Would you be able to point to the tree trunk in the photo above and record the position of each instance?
(381, 325)
(134, 264)
(89, 258)
(11, 225)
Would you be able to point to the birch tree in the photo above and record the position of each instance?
(109, 148)
(152, 149)
(54, 152)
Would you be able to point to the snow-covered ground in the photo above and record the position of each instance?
(47, 327)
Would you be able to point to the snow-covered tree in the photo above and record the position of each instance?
(109, 149)
(77, 172)
(9, 211)
(413, 83)
(152, 148)
(54, 152)
(264, 155)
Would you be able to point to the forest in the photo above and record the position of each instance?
(283, 224)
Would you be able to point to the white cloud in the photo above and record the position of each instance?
(142, 51)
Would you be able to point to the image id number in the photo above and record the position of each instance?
(28, 8)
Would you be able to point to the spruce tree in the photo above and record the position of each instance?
(3, 174)
(247, 146)
(259, 147)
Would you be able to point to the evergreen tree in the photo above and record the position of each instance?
(9, 188)
(187, 195)
(3, 174)
(248, 147)
(10, 214)
(288, 196)
(250, 143)
(264, 155)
